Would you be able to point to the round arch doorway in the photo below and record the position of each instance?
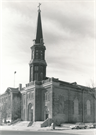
(30, 112)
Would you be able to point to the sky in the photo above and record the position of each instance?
(69, 37)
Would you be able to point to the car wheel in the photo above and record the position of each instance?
(77, 127)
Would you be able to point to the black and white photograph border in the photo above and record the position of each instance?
(68, 35)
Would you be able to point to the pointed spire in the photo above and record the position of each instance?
(39, 33)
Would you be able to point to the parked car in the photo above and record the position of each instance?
(73, 127)
(94, 124)
(90, 125)
(81, 126)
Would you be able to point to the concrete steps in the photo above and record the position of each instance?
(34, 125)
(22, 124)
(37, 124)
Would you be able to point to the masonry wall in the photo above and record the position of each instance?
(75, 105)
(63, 103)
(72, 105)
(48, 102)
(89, 116)
(29, 103)
(43, 105)
(60, 105)
(38, 104)
(27, 99)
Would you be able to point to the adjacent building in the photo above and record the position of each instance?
(10, 105)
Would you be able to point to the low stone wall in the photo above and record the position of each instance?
(47, 122)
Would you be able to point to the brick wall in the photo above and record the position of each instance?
(68, 105)
(60, 105)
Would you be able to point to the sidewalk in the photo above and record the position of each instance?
(32, 128)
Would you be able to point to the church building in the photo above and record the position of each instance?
(45, 98)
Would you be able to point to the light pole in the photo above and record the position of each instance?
(14, 78)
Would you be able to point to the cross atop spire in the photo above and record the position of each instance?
(39, 6)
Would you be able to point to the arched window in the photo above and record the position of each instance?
(36, 76)
(31, 70)
(23, 99)
(30, 112)
(29, 95)
(36, 68)
(46, 96)
(37, 54)
(32, 95)
(41, 54)
(41, 68)
(88, 107)
(76, 106)
(32, 55)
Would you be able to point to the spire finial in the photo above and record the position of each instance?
(39, 6)
(39, 33)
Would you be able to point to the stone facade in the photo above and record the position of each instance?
(61, 101)
(52, 98)
(73, 103)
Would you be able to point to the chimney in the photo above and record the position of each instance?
(20, 87)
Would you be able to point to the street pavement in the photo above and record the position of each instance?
(16, 130)
(64, 132)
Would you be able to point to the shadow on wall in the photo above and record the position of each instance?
(61, 118)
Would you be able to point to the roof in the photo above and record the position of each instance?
(13, 90)
(39, 33)
(9, 89)
(63, 83)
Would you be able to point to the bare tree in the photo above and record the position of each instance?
(4, 112)
(92, 86)
(16, 111)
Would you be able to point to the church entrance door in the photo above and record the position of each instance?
(46, 112)
(30, 112)
(46, 116)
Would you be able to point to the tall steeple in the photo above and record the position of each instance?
(38, 64)
(39, 33)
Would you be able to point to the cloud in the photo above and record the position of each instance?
(73, 17)
(68, 29)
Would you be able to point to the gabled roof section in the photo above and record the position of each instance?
(39, 33)
(13, 90)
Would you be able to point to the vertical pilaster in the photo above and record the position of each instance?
(34, 106)
(25, 106)
(51, 102)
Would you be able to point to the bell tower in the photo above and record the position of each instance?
(37, 63)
